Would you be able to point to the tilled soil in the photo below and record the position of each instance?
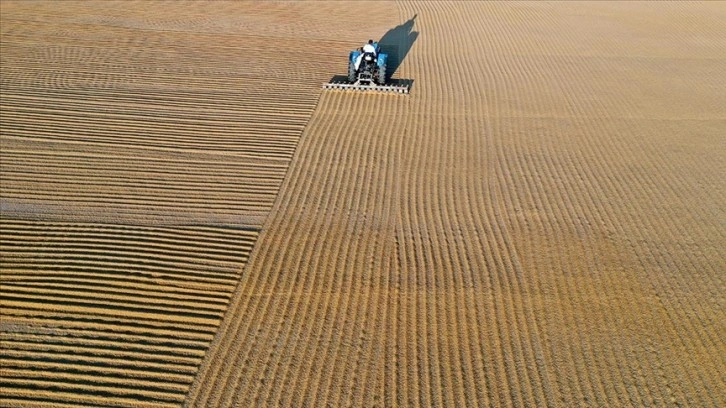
(188, 219)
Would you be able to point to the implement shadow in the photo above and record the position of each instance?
(397, 42)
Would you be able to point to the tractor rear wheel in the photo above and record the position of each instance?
(351, 72)
(382, 75)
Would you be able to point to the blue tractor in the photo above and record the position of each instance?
(370, 74)
(372, 68)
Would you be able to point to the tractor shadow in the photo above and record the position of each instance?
(338, 79)
(397, 42)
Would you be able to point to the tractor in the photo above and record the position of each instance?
(371, 69)
(371, 74)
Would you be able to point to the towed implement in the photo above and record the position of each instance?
(367, 72)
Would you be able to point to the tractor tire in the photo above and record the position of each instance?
(351, 73)
(382, 75)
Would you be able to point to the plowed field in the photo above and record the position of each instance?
(187, 219)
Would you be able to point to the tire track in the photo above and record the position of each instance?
(512, 289)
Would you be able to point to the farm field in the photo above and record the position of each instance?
(188, 219)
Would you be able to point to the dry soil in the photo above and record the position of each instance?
(188, 219)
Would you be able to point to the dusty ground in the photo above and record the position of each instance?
(187, 219)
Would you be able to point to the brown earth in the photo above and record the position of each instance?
(188, 219)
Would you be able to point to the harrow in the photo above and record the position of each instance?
(368, 86)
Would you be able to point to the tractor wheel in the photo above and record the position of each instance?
(382, 75)
(351, 72)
